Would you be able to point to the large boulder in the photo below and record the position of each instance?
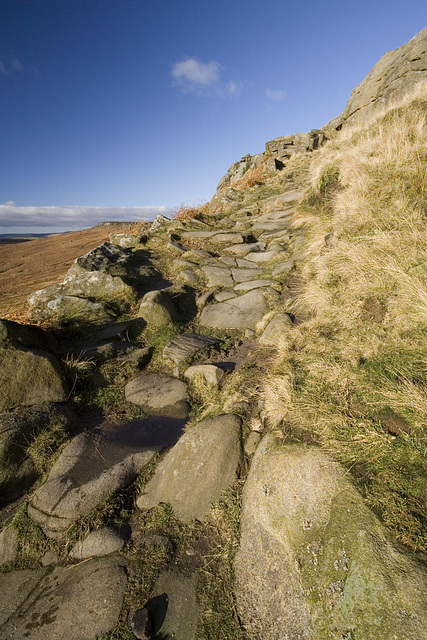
(29, 373)
(314, 562)
(78, 602)
(97, 286)
(195, 472)
(394, 75)
(54, 304)
(89, 470)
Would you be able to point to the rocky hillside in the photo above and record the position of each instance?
(216, 429)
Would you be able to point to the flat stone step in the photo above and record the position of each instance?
(255, 284)
(89, 469)
(185, 345)
(159, 395)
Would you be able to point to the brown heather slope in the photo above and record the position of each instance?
(26, 267)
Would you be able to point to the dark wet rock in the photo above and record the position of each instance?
(185, 345)
(89, 470)
(159, 394)
(195, 472)
(80, 602)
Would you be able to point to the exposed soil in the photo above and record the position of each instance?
(26, 267)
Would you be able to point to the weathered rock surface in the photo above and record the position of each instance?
(157, 309)
(78, 603)
(217, 276)
(243, 312)
(54, 303)
(8, 545)
(394, 75)
(18, 367)
(101, 542)
(277, 327)
(128, 240)
(87, 472)
(174, 606)
(159, 395)
(96, 287)
(314, 562)
(195, 472)
(211, 374)
(185, 345)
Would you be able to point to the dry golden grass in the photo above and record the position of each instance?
(355, 375)
(190, 213)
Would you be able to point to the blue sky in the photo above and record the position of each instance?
(110, 109)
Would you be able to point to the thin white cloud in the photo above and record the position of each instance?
(275, 96)
(192, 73)
(16, 65)
(203, 78)
(12, 215)
(234, 88)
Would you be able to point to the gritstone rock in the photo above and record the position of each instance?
(196, 471)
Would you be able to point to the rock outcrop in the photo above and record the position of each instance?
(393, 77)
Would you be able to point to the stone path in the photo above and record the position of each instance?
(237, 273)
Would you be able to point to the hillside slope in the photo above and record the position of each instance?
(221, 430)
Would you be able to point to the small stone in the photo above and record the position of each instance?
(141, 624)
(210, 373)
(185, 345)
(252, 443)
(278, 326)
(98, 543)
